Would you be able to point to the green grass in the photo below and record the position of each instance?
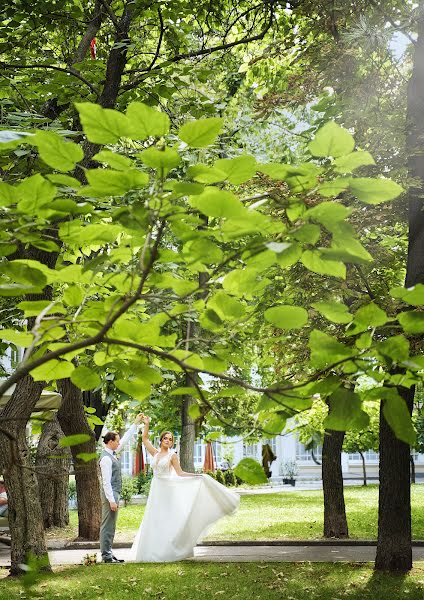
(238, 581)
(285, 515)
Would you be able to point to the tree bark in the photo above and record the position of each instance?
(364, 469)
(335, 522)
(52, 466)
(394, 544)
(411, 460)
(25, 516)
(94, 400)
(73, 421)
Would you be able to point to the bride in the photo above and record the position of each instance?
(180, 506)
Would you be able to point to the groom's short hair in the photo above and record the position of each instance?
(110, 436)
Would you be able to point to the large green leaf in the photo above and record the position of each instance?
(337, 312)
(166, 158)
(287, 317)
(21, 272)
(19, 338)
(345, 412)
(114, 160)
(331, 140)
(201, 251)
(326, 350)
(397, 415)
(134, 387)
(53, 369)
(74, 440)
(57, 153)
(346, 249)
(201, 133)
(396, 348)
(237, 170)
(226, 307)
(33, 193)
(375, 191)
(333, 187)
(145, 121)
(413, 295)
(412, 321)
(241, 282)
(85, 378)
(289, 256)
(102, 125)
(250, 471)
(313, 261)
(214, 202)
(8, 194)
(328, 213)
(104, 182)
(367, 316)
(205, 174)
(350, 162)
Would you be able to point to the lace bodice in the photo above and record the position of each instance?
(161, 465)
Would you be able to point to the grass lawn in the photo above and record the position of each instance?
(238, 581)
(285, 515)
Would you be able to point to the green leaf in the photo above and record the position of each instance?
(326, 350)
(369, 315)
(34, 192)
(287, 317)
(396, 413)
(55, 152)
(85, 378)
(337, 312)
(237, 170)
(86, 456)
(413, 295)
(214, 202)
(167, 158)
(331, 140)
(250, 471)
(350, 162)
(375, 191)
(74, 440)
(103, 125)
(333, 187)
(66, 180)
(348, 250)
(299, 178)
(8, 194)
(201, 251)
(226, 307)
(345, 412)
(412, 321)
(273, 422)
(205, 174)
(308, 234)
(201, 133)
(146, 121)
(113, 183)
(328, 213)
(52, 369)
(240, 282)
(313, 261)
(194, 411)
(136, 388)
(187, 189)
(73, 296)
(19, 338)
(114, 160)
(32, 308)
(290, 256)
(21, 272)
(396, 348)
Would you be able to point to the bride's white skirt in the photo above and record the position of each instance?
(178, 511)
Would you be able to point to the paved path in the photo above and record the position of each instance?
(239, 554)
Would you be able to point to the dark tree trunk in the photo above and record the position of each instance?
(25, 516)
(188, 433)
(394, 544)
(52, 466)
(73, 421)
(411, 459)
(335, 522)
(364, 469)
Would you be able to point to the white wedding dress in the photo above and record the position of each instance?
(178, 511)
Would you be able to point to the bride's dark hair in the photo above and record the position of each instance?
(164, 433)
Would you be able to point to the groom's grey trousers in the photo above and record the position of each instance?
(108, 526)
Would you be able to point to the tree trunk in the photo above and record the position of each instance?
(94, 400)
(364, 468)
(335, 522)
(394, 544)
(52, 466)
(411, 459)
(188, 433)
(73, 421)
(25, 516)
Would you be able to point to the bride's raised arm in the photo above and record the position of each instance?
(145, 437)
(176, 464)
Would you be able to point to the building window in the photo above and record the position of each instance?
(273, 443)
(303, 455)
(250, 450)
(217, 452)
(198, 455)
(370, 457)
(126, 460)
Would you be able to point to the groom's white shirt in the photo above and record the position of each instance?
(106, 464)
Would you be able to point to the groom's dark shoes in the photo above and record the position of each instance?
(113, 560)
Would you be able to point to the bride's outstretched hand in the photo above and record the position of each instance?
(146, 419)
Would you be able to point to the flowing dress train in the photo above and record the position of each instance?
(178, 511)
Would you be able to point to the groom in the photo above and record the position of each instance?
(110, 468)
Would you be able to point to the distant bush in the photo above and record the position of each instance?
(143, 482)
(128, 489)
(228, 478)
